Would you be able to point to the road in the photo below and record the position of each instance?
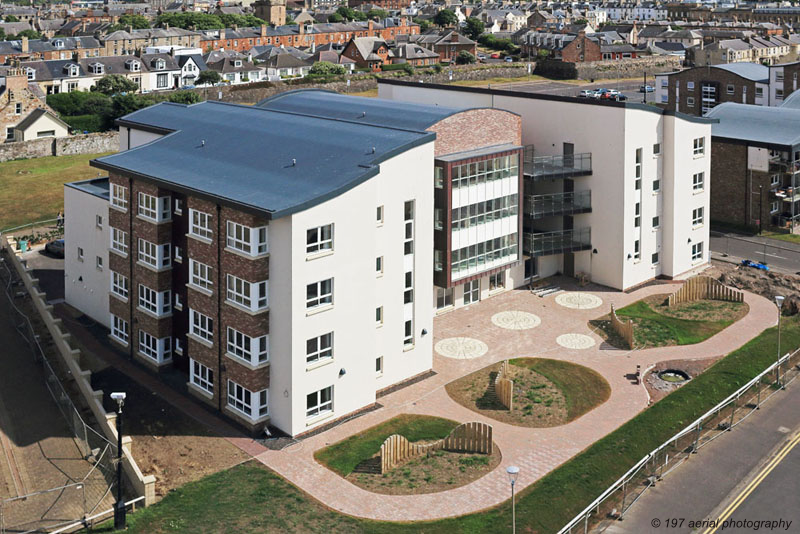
(629, 88)
(726, 472)
(780, 255)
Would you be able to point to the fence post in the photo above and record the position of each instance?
(758, 394)
(696, 439)
(624, 494)
(733, 411)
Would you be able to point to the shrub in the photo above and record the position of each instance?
(85, 123)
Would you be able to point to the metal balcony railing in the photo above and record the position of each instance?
(539, 206)
(559, 242)
(554, 167)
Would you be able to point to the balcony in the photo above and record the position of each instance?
(559, 242)
(539, 206)
(555, 167)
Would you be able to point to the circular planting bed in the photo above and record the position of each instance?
(545, 392)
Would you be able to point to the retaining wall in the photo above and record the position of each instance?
(93, 143)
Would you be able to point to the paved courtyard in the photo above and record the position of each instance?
(474, 337)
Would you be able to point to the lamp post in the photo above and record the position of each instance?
(513, 472)
(779, 301)
(119, 506)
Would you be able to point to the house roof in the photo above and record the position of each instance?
(792, 101)
(96, 186)
(34, 116)
(751, 71)
(367, 46)
(286, 61)
(54, 69)
(764, 125)
(275, 162)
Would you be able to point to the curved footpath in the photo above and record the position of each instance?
(535, 451)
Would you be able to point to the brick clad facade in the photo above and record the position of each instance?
(744, 90)
(581, 49)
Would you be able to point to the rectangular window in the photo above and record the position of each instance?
(98, 263)
(690, 86)
(178, 254)
(778, 94)
(178, 206)
(379, 215)
(119, 196)
(472, 292)
(379, 365)
(319, 239)
(773, 207)
(319, 294)
(654, 258)
(319, 348)
(657, 149)
(251, 295)
(690, 101)
(251, 241)
(444, 297)
(80, 254)
(697, 216)
(200, 224)
(759, 92)
(497, 281)
(119, 285)
(250, 349)
(178, 346)
(637, 250)
(775, 179)
(730, 89)
(156, 256)
(699, 146)
(379, 316)
(148, 206)
(408, 240)
(18, 108)
(656, 186)
(161, 81)
(698, 181)
(697, 251)
(637, 220)
(201, 376)
(98, 221)
(379, 265)
(638, 168)
(320, 402)
(438, 177)
(201, 325)
(408, 287)
(157, 349)
(159, 303)
(178, 304)
(408, 333)
(253, 405)
(119, 329)
(656, 222)
(119, 241)
(200, 275)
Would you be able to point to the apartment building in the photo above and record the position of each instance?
(697, 90)
(290, 285)
(755, 171)
(614, 190)
(477, 179)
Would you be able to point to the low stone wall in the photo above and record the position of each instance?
(623, 328)
(254, 92)
(704, 287)
(62, 146)
(504, 386)
(609, 70)
(142, 485)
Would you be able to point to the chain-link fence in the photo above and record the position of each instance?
(769, 252)
(92, 480)
(619, 497)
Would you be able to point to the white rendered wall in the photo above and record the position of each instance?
(357, 291)
(85, 286)
(131, 138)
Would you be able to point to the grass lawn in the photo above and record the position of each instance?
(342, 457)
(250, 499)
(789, 238)
(583, 388)
(657, 325)
(32, 189)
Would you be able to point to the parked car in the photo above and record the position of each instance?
(609, 94)
(646, 89)
(55, 247)
(586, 93)
(495, 56)
(620, 98)
(509, 59)
(482, 57)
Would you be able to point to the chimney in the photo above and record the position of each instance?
(454, 37)
(370, 26)
(236, 27)
(301, 28)
(263, 30)
(222, 34)
(24, 45)
(166, 26)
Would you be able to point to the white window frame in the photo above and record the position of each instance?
(319, 299)
(408, 333)
(253, 405)
(247, 240)
(379, 316)
(119, 196)
(156, 302)
(774, 207)
(119, 241)
(119, 285)
(253, 350)
(379, 215)
(699, 181)
(201, 325)
(471, 289)
(200, 275)
(119, 329)
(319, 349)
(200, 224)
(655, 258)
(201, 376)
(321, 407)
(379, 366)
(698, 216)
(699, 146)
(656, 222)
(80, 253)
(379, 266)
(153, 255)
(158, 350)
(319, 239)
(98, 221)
(697, 251)
(253, 296)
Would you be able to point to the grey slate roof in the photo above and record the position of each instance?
(751, 71)
(244, 154)
(34, 115)
(758, 124)
(374, 111)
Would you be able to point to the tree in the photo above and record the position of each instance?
(408, 68)
(335, 17)
(445, 17)
(360, 16)
(185, 97)
(348, 13)
(231, 19)
(189, 19)
(424, 25)
(208, 77)
(137, 22)
(114, 84)
(464, 58)
(377, 14)
(30, 34)
(12, 18)
(290, 21)
(474, 28)
(326, 68)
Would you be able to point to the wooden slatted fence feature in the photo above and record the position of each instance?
(704, 287)
(504, 386)
(623, 328)
(466, 437)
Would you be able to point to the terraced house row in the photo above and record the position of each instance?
(289, 257)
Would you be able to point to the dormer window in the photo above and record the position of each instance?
(237, 62)
(133, 65)
(31, 73)
(159, 64)
(71, 69)
(58, 43)
(96, 68)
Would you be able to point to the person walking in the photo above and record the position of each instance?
(60, 219)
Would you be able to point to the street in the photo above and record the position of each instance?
(779, 255)
(730, 478)
(628, 87)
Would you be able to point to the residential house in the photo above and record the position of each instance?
(447, 43)
(234, 68)
(58, 48)
(40, 123)
(414, 54)
(129, 42)
(368, 52)
(18, 100)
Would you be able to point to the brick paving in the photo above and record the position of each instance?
(535, 451)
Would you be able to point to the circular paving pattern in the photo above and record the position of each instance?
(575, 341)
(461, 348)
(579, 301)
(516, 320)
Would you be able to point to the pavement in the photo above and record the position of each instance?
(779, 255)
(49, 270)
(629, 88)
(727, 471)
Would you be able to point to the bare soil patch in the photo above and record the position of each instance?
(434, 472)
(766, 284)
(658, 389)
(701, 310)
